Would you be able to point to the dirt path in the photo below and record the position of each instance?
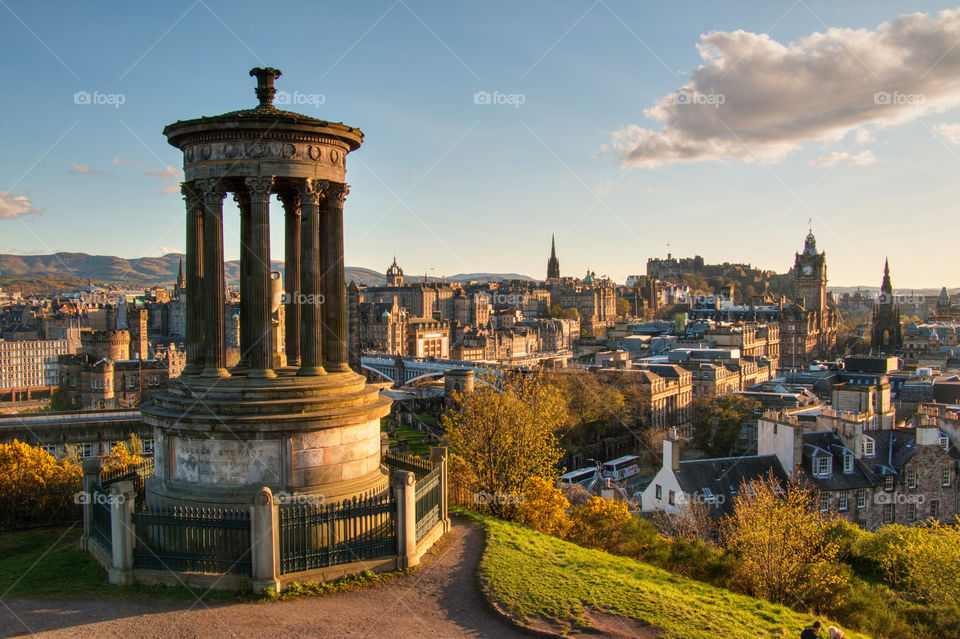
(441, 599)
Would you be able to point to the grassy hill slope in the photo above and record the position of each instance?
(535, 577)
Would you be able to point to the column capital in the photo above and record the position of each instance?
(337, 192)
(311, 190)
(211, 189)
(259, 185)
(242, 198)
(290, 198)
(191, 193)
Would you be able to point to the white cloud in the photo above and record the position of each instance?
(166, 250)
(118, 162)
(12, 206)
(842, 157)
(949, 132)
(170, 172)
(80, 169)
(755, 99)
(172, 189)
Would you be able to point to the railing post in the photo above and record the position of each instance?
(122, 534)
(91, 474)
(405, 488)
(438, 457)
(265, 541)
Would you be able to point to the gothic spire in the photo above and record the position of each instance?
(886, 286)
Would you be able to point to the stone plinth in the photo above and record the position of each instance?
(218, 441)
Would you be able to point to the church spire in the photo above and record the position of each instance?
(553, 264)
(180, 275)
(886, 286)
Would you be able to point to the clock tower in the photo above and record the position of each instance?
(810, 276)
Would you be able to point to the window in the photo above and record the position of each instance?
(847, 463)
(861, 498)
(821, 466)
(843, 500)
(86, 450)
(888, 483)
(868, 446)
(659, 491)
(148, 447)
(671, 498)
(946, 475)
(131, 382)
(51, 449)
(888, 513)
(911, 512)
(945, 443)
(935, 508)
(911, 478)
(824, 501)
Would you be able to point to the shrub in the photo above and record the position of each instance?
(35, 488)
(544, 508)
(600, 524)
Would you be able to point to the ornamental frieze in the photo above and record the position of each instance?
(225, 151)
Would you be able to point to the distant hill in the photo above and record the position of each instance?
(60, 272)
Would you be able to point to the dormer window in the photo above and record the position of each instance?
(868, 446)
(822, 466)
(847, 463)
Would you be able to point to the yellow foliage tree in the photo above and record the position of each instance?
(35, 487)
(505, 432)
(922, 560)
(124, 454)
(599, 524)
(544, 508)
(781, 539)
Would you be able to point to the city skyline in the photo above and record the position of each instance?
(574, 121)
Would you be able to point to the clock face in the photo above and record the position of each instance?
(807, 270)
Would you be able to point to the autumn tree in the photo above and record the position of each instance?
(924, 561)
(544, 508)
(782, 542)
(717, 422)
(35, 487)
(124, 454)
(504, 433)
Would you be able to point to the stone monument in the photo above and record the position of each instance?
(312, 426)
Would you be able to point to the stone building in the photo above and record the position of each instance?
(808, 326)
(27, 366)
(428, 338)
(383, 327)
(666, 395)
(886, 333)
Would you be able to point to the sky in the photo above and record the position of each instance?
(627, 128)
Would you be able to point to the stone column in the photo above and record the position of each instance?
(261, 327)
(242, 199)
(214, 355)
(405, 490)
(311, 348)
(438, 457)
(265, 541)
(335, 307)
(91, 476)
(291, 261)
(122, 536)
(194, 279)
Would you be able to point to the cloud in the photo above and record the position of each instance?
(80, 169)
(118, 162)
(170, 172)
(172, 189)
(12, 206)
(166, 250)
(842, 157)
(755, 99)
(949, 132)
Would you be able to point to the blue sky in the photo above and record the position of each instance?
(452, 186)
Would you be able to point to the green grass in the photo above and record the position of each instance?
(413, 436)
(533, 575)
(47, 563)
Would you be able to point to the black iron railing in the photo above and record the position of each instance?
(416, 465)
(317, 536)
(428, 502)
(193, 539)
(100, 507)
